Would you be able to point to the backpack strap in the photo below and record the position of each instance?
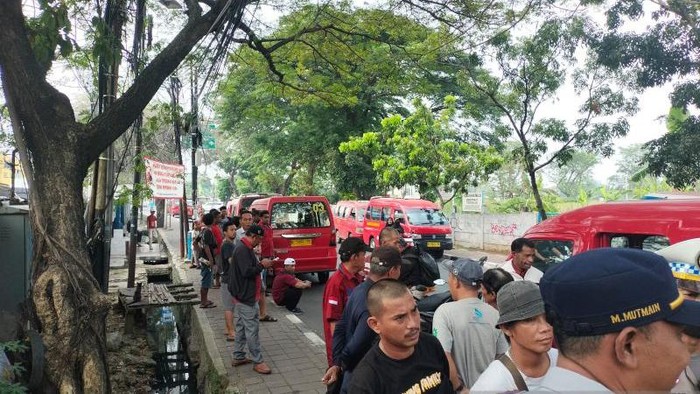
(517, 377)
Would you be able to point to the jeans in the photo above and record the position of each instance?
(247, 325)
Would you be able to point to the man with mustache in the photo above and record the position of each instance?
(523, 253)
(531, 355)
(405, 359)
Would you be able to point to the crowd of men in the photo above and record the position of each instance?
(604, 320)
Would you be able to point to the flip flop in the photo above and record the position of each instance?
(238, 363)
(268, 318)
(230, 339)
(216, 287)
(208, 305)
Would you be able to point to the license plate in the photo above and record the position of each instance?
(433, 244)
(301, 242)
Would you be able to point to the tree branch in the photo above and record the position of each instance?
(108, 126)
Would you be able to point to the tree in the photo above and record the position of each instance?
(576, 175)
(425, 151)
(669, 50)
(530, 72)
(633, 178)
(56, 151)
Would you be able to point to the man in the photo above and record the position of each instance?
(466, 327)
(411, 274)
(352, 337)
(225, 217)
(206, 259)
(286, 288)
(247, 221)
(405, 360)
(523, 252)
(244, 285)
(338, 288)
(618, 319)
(530, 337)
(267, 248)
(227, 248)
(219, 238)
(389, 236)
(151, 224)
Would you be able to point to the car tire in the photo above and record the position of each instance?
(322, 277)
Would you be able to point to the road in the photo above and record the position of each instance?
(312, 297)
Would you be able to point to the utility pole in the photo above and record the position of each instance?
(175, 86)
(196, 135)
(136, 192)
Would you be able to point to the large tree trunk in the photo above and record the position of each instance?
(536, 191)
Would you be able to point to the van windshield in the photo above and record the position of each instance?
(307, 214)
(551, 252)
(426, 217)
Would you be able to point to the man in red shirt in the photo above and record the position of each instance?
(286, 288)
(151, 225)
(219, 237)
(335, 295)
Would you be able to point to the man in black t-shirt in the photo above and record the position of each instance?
(405, 360)
(206, 260)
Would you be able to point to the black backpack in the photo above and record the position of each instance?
(428, 266)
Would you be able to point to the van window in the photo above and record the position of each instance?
(640, 241)
(307, 214)
(385, 213)
(551, 252)
(360, 213)
(426, 217)
(398, 214)
(374, 213)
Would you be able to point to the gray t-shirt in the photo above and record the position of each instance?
(561, 380)
(240, 233)
(467, 330)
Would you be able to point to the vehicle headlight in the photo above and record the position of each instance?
(448, 236)
(416, 236)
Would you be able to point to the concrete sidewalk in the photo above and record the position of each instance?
(295, 354)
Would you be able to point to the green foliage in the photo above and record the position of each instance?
(425, 151)
(224, 190)
(49, 32)
(575, 176)
(6, 382)
(667, 50)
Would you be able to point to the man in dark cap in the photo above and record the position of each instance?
(618, 319)
(245, 287)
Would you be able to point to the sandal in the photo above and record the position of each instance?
(268, 318)
(216, 287)
(207, 305)
(230, 338)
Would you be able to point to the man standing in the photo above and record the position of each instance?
(618, 321)
(523, 252)
(267, 248)
(227, 248)
(352, 337)
(405, 360)
(246, 222)
(286, 289)
(466, 327)
(531, 354)
(219, 238)
(337, 291)
(151, 225)
(244, 285)
(206, 259)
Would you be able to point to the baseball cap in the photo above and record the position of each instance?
(605, 290)
(386, 256)
(519, 300)
(466, 270)
(290, 261)
(351, 246)
(254, 229)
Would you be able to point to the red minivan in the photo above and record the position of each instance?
(349, 218)
(302, 228)
(237, 205)
(424, 224)
(645, 224)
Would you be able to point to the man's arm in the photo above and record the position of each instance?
(360, 342)
(441, 331)
(302, 284)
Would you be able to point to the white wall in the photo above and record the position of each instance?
(493, 232)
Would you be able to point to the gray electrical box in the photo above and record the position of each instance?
(15, 265)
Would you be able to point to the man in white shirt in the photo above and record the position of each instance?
(520, 266)
(618, 318)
